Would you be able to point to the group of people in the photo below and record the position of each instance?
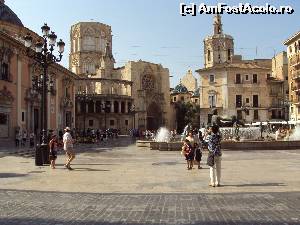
(193, 145)
(67, 143)
(22, 136)
(282, 133)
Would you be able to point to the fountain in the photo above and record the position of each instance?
(241, 134)
(233, 138)
(163, 135)
(295, 135)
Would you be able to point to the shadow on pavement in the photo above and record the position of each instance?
(89, 169)
(11, 175)
(256, 185)
(91, 164)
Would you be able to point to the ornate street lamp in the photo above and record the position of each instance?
(43, 53)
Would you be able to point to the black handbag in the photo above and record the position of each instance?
(210, 159)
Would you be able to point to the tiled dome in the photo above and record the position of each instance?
(180, 89)
(7, 15)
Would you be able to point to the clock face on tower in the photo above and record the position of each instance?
(147, 82)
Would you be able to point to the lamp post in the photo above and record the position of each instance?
(84, 98)
(44, 56)
(104, 107)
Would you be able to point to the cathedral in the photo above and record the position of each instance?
(135, 95)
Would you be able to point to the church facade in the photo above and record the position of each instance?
(135, 95)
(232, 86)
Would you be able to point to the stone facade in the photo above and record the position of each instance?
(20, 105)
(233, 86)
(293, 54)
(137, 93)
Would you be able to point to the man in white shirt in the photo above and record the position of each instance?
(68, 147)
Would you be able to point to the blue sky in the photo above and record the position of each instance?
(153, 30)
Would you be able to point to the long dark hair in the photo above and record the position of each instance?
(215, 129)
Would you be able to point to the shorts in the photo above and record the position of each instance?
(53, 155)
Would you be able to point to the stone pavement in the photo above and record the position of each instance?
(57, 208)
(117, 183)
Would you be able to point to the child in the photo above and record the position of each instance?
(53, 151)
(198, 154)
(188, 152)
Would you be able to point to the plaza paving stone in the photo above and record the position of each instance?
(33, 207)
(118, 183)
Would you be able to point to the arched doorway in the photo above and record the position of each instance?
(154, 116)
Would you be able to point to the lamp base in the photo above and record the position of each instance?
(42, 155)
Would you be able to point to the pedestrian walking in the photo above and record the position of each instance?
(17, 140)
(213, 140)
(68, 147)
(31, 139)
(24, 138)
(53, 151)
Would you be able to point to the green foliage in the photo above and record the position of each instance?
(187, 113)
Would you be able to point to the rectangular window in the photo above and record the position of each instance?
(111, 122)
(228, 54)
(238, 101)
(254, 78)
(126, 122)
(3, 119)
(174, 99)
(212, 101)
(286, 77)
(4, 72)
(91, 123)
(255, 117)
(23, 116)
(238, 78)
(255, 100)
(246, 77)
(211, 78)
(247, 100)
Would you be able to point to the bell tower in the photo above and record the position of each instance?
(219, 47)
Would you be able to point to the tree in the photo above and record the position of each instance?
(187, 113)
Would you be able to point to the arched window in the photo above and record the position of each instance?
(116, 107)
